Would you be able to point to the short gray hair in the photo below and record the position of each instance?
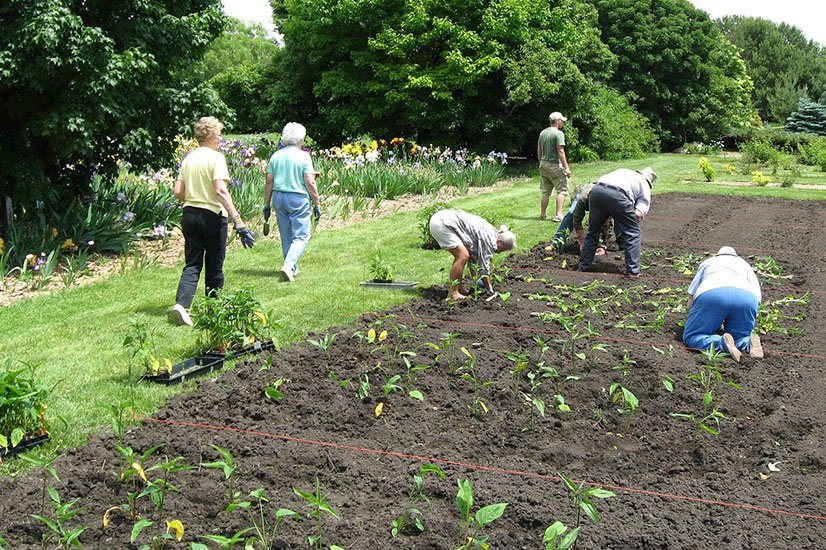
(507, 237)
(293, 133)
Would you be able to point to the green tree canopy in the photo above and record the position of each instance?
(480, 73)
(240, 44)
(783, 64)
(676, 68)
(236, 64)
(85, 82)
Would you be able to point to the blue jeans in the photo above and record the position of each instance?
(735, 309)
(292, 212)
(566, 225)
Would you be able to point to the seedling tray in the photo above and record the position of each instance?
(194, 366)
(395, 285)
(256, 347)
(26, 444)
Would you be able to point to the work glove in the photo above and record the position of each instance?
(317, 212)
(267, 211)
(247, 238)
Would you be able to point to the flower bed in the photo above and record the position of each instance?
(456, 386)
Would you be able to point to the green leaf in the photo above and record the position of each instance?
(569, 539)
(464, 499)
(553, 531)
(490, 513)
(137, 528)
(416, 394)
(590, 510)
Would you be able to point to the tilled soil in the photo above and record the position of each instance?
(758, 484)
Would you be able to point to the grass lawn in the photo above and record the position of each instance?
(77, 334)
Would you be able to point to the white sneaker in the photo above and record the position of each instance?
(180, 315)
(755, 346)
(731, 348)
(287, 272)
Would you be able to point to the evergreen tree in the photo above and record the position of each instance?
(809, 118)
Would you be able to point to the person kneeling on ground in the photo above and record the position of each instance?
(725, 292)
(469, 238)
(624, 195)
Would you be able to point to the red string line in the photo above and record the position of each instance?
(596, 337)
(684, 282)
(481, 467)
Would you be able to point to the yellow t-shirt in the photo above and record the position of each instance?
(198, 171)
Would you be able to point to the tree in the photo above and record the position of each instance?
(240, 44)
(781, 62)
(674, 63)
(446, 71)
(810, 117)
(87, 82)
(235, 65)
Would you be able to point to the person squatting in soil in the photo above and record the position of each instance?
(469, 238)
(202, 188)
(725, 293)
(553, 165)
(625, 196)
(569, 236)
(291, 175)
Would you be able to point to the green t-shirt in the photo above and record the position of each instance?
(550, 138)
(288, 166)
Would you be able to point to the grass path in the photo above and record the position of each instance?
(76, 334)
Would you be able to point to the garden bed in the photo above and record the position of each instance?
(759, 484)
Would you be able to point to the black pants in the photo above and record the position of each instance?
(205, 245)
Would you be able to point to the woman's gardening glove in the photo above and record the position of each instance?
(317, 212)
(247, 238)
(267, 211)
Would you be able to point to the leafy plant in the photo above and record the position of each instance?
(266, 528)
(710, 379)
(318, 506)
(412, 517)
(157, 489)
(472, 524)
(273, 391)
(22, 403)
(380, 268)
(707, 169)
(324, 343)
(59, 533)
(583, 497)
(467, 371)
(229, 320)
(227, 465)
(555, 537)
(140, 343)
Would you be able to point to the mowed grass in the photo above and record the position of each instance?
(76, 335)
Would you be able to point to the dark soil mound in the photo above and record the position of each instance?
(758, 484)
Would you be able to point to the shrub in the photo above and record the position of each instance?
(813, 153)
(758, 178)
(760, 151)
(708, 170)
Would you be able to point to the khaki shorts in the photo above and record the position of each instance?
(552, 179)
(446, 237)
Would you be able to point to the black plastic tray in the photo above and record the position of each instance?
(194, 366)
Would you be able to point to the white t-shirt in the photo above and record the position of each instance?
(725, 270)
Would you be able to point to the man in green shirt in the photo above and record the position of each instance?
(553, 165)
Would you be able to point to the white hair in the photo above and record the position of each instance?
(507, 237)
(293, 133)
